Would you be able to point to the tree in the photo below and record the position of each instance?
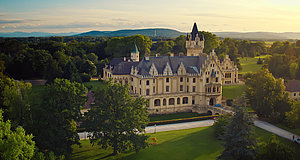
(117, 119)
(179, 44)
(293, 116)
(122, 46)
(211, 41)
(14, 144)
(14, 100)
(220, 125)
(274, 150)
(59, 110)
(265, 94)
(239, 142)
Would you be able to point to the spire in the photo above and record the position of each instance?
(135, 49)
(194, 31)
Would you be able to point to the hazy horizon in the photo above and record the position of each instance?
(109, 15)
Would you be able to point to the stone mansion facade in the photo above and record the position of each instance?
(175, 83)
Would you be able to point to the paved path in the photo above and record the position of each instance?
(179, 126)
(187, 125)
(271, 128)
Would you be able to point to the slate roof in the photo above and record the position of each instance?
(192, 64)
(292, 86)
(195, 32)
(135, 49)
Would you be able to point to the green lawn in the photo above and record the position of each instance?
(233, 91)
(283, 126)
(250, 64)
(35, 95)
(196, 143)
(94, 85)
(174, 116)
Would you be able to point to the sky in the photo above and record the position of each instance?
(58, 16)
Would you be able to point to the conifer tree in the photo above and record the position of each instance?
(239, 142)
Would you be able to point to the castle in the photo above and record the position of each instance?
(175, 83)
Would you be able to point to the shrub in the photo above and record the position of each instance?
(85, 77)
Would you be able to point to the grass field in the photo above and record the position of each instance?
(174, 116)
(249, 64)
(196, 143)
(296, 131)
(94, 84)
(233, 91)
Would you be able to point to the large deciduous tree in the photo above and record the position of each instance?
(14, 100)
(275, 150)
(293, 116)
(117, 120)
(14, 144)
(54, 121)
(211, 41)
(239, 142)
(266, 95)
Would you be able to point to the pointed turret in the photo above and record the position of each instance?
(135, 54)
(195, 31)
(195, 42)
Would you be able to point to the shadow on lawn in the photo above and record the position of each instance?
(196, 145)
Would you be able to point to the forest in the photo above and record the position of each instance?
(80, 58)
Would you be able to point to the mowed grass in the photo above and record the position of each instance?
(283, 126)
(94, 85)
(196, 143)
(233, 91)
(250, 65)
(174, 116)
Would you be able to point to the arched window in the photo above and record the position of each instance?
(164, 102)
(157, 102)
(178, 100)
(171, 101)
(185, 100)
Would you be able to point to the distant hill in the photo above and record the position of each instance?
(161, 32)
(259, 35)
(34, 34)
(147, 32)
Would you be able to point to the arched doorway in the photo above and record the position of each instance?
(209, 112)
(212, 101)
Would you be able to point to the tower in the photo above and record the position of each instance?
(194, 42)
(135, 54)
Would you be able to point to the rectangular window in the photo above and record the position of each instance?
(227, 75)
(187, 79)
(132, 88)
(153, 80)
(140, 81)
(181, 87)
(153, 89)
(140, 90)
(131, 79)
(187, 88)
(167, 80)
(181, 79)
(147, 92)
(194, 80)
(147, 83)
(194, 88)
(167, 88)
(207, 80)
(217, 80)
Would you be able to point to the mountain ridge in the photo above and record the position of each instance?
(161, 32)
